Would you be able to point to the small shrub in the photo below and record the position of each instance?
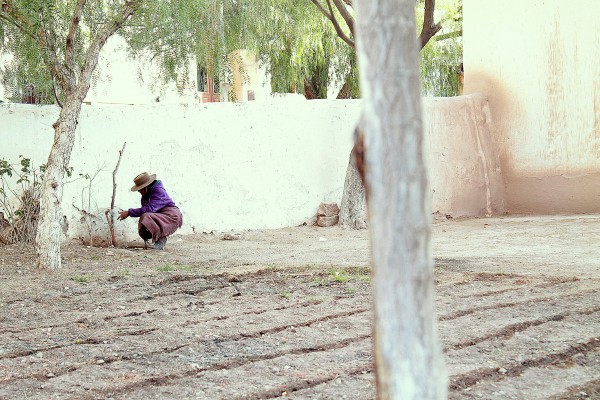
(82, 278)
(339, 276)
(20, 187)
(168, 268)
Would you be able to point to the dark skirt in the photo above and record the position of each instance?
(159, 224)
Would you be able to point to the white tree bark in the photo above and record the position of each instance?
(353, 207)
(48, 235)
(75, 88)
(407, 351)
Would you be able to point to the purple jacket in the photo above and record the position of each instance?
(155, 199)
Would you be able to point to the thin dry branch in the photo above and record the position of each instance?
(114, 175)
(108, 213)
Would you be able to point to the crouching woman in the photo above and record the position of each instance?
(159, 216)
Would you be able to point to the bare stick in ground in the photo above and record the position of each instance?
(109, 215)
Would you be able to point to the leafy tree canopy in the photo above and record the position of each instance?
(48, 50)
(297, 44)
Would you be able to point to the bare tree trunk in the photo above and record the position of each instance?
(407, 352)
(48, 235)
(353, 209)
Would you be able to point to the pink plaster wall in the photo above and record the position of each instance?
(537, 63)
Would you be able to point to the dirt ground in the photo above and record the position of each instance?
(287, 314)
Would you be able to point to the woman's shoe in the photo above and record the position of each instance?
(160, 243)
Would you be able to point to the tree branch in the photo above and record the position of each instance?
(430, 28)
(44, 41)
(346, 15)
(330, 16)
(108, 213)
(322, 9)
(338, 28)
(114, 175)
(91, 55)
(56, 94)
(450, 35)
(73, 28)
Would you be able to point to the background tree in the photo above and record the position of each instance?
(298, 47)
(433, 68)
(408, 356)
(61, 42)
(441, 57)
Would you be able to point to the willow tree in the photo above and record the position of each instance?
(61, 41)
(297, 46)
(341, 15)
(302, 42)
(408, 356)
(441, 57)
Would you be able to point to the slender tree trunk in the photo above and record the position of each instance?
(353, 209)
(48, 236)
(407, 352)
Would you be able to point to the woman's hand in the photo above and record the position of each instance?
(123, 215)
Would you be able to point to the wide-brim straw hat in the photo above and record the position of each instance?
(142, 180)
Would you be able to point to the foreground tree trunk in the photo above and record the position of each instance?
(352, 208)
(407, 351)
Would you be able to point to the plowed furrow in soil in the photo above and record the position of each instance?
(136, 350)
(589, 390)
(176, 294)
(122, 377)
(473, 285)
(542, 383)
(523, 299)
(39, 341)
(357, 386)
(555, 344)
(267, 376)
(552, 337)
(263, 310)
(491, 322)
(43, 372)
(549, 366)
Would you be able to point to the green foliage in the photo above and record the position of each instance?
(170, 268)
(442, 56)
(83, 278)
(20, 186)
(295, 43)
(34, 33)
(291, 38)
(339, 276)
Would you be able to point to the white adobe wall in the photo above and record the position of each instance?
(120, 79)
(464, 168)
(248, 165)
(538, 63)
